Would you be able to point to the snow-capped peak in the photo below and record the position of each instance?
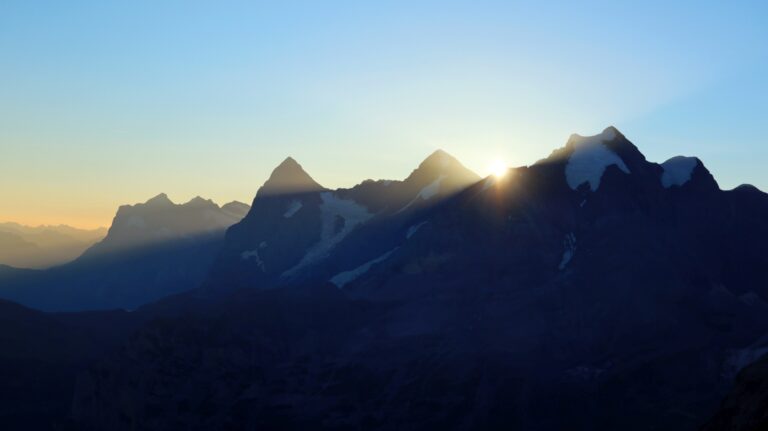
(678, 170)
(590, 158)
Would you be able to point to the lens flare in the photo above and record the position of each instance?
(498, 168)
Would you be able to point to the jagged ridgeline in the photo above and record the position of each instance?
(591, 290)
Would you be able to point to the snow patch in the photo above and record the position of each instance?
(590, 159)
(432, 189)
(254, 254)
(413, 229)
(677, 171)
(346, 277)
(426, 193)
(570, 249)
(293, 207)
(332, 207)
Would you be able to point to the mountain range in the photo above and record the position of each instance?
(152, 250)
(591, 290)
(44, 246)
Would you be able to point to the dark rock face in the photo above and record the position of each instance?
(746, 406)
(295, 224)
(583, 292)
(152, 250)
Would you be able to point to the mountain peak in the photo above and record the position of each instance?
(236, 208)
(198, 201)
(440, 162)
(288, 178)
(608, 134)
(289, 162)
(439, 159)
(159, 200)
(439, 174)
(613, 131)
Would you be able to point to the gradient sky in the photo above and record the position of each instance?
(107, 103)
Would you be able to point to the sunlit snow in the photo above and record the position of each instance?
(332, 207)
(677, 171)
(346, 277)
(589, 160)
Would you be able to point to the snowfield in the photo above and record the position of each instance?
(346, 277)
(589, 160)
(678, 171)
(332, 207)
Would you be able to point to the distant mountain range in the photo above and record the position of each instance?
(151, 250)
(44, 246)
(592, 290)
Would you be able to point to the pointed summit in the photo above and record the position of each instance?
(439, 157)
(288, 178)
(441, 163)
(438, 176)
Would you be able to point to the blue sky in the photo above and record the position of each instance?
(106, 103)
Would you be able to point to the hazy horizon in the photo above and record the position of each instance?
(110, 104)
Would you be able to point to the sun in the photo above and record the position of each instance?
(498, 168)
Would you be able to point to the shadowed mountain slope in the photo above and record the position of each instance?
(152, 250)
(44, 246)
(295, 224)
(592, 290)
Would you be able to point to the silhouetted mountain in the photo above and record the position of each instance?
(294, 223)
(288, 178)
(152, 250)
(591, 290)
(159, 220)
(236, 209)
(44, 246)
